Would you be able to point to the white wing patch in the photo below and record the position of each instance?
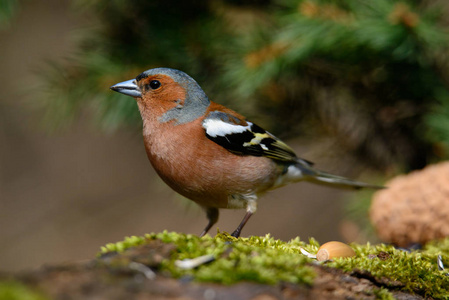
(216, 127)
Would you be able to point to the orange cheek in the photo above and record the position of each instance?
(159, 102)
(173, 92)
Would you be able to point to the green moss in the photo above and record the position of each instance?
(259, 259)
(132, 241)
(12, 290)
(266, 260)
(383, 294)
(440, 247)
(417, 271)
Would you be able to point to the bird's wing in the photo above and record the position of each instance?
(245, 138)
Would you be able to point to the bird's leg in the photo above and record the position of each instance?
(251, 208)
(212, 216)
(236, 232)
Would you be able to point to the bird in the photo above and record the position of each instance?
(209, 153)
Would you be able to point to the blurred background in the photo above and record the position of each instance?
(361, 88)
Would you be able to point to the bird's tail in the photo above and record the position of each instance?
(338, 181)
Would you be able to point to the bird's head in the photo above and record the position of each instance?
(167, 93)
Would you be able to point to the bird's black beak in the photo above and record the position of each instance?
(128, 87)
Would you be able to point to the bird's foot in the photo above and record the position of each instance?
(236, 233)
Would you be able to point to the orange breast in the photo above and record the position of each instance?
(202, 170)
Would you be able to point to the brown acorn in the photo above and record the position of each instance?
(334, 249)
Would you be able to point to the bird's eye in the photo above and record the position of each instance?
(155, 84)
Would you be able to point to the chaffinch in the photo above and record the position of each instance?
(209, 153)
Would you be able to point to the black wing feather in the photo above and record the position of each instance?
(252, 140)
